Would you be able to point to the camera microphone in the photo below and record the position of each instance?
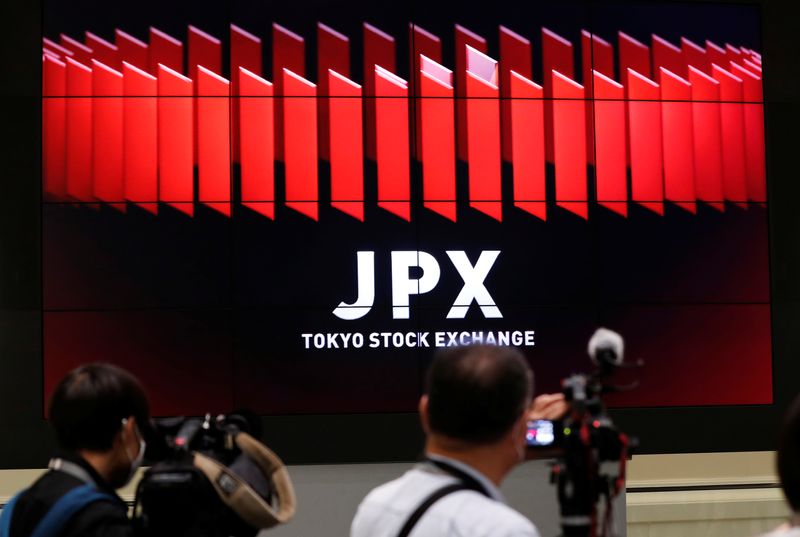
(606, 348)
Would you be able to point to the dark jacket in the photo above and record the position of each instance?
(106, 518)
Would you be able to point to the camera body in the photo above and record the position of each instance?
(175, 498)
(590, 470)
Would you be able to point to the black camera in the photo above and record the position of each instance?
(211, 479)
(592, 451)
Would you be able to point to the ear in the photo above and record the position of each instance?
(129, 427)
(520, 427)
(423, 413)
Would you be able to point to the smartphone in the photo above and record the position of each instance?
(541, 433)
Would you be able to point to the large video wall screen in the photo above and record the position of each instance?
(290, 207)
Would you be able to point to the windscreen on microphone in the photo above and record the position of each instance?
(606, 347)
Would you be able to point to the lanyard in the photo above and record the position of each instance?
(465, 482)
(70, 468)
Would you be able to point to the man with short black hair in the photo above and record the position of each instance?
(474, 413)
(98, 412)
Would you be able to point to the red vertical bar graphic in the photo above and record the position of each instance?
(81, 53)
(103, 51)
(205, 50)
(107, 142)
(54, 88)
(438, 139)
(644, 115)
(734, 180)
(676, 114)
(79, 131)
(379, 49)
(515, 55)
(55, 47)
(333, 52)
(596, 54)
(140, 137)
(733, 54)
(556, 56)
(752, 67)
(213, 143)
(609, 121)
(392, 146)
(175, 117)
(526, 113)
(716, 54)
(288, 51)
(347, 148)
(166, 50)
(668, 56)
(707, 138)
(422, 42)
(602, 55)
(245, 52)
(132, 50)
(300, 144)
(694, 55)
(633, 54)
(569, 144)
(257, 146)
(483, 134)
(463, 37)
(754, 133)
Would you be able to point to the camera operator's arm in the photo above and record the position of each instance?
(548, 406)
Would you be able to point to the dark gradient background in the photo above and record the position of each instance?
(396, 436)
(208, 311)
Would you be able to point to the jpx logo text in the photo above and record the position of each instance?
(403, 285)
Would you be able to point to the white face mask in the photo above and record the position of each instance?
(136, 462)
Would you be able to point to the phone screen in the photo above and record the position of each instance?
(540, 433)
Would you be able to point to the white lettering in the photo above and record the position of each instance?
(403, 286)
(474, 289)
(306, 340)
(516, 338)
(374, 341)
(331, 341)
(366, 289)
(358, 340)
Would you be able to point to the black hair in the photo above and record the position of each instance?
(89, 404)
(789, 455)
(477, 392)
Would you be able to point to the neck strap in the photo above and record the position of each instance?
(469, 481)
(70, 468)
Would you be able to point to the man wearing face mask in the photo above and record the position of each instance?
(474, 414)
(98, 412)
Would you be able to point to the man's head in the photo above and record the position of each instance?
(99, 411)
(478, 396)
(789, 456)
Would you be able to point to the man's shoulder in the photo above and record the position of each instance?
(463, 512)
(475, 514)
(106, 516)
